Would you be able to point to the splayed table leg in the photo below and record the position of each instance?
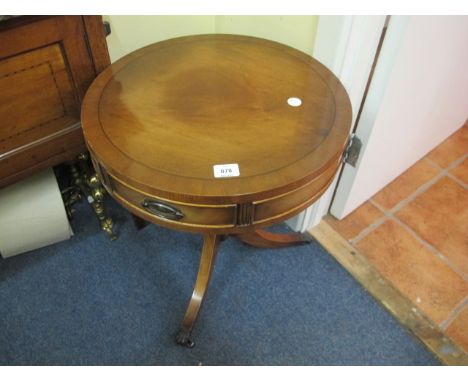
(207, 261)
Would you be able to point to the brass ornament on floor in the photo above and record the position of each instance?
(86, 183)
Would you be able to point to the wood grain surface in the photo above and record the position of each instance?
(159, 119)
(45, 69)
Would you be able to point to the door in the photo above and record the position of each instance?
(416, 99)
(346, 45)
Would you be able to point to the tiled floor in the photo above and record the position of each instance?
(415, 232)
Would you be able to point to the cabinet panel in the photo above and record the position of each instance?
(46, 65)
(35, 89)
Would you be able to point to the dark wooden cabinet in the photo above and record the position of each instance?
(46, 65)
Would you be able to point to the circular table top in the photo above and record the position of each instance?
(162, 117)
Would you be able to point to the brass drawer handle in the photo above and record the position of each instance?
(162, 210)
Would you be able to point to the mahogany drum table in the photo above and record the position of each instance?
(219, 135)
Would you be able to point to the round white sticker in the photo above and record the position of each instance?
(294, 101)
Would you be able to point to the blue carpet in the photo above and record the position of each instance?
(89, 301)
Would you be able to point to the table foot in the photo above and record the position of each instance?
(264, 239)
(183, 339)
(207, 261)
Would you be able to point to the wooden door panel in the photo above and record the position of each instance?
(74, 43)
(46, 65)
(35, 90)
(68, 31)
(27, 34)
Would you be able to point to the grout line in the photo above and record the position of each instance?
(387, 213)
(433, 164)
(431, 248)
(460, 182)
(451, 166)
(371, 227)
(421, 189)
(424, 187)
(454, 314)
(418, 238)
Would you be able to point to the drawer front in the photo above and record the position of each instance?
(166, 212)
(224, 218)
(295, 201)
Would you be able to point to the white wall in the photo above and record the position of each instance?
(296, 31)
(130, 33)
(418, 97)
(133, 32)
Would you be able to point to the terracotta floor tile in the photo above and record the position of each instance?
(414, 270)
(440, 216)
(451, 149)
(458, 329)
(461, 171)
(356, 221)
(405, 184)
